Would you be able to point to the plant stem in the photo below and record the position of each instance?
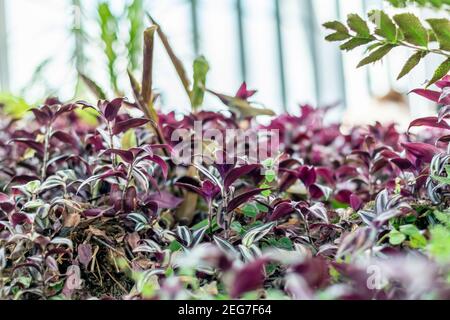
(46, 153)
(129, 173)
(111, 144)
(435, 51)
(210, 216)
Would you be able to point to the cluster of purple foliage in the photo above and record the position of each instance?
(103, 211)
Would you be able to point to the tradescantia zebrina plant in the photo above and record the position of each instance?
(93, 211)
(387, 33)
(95, 216)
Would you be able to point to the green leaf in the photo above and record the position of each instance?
(88, 116)
(396, 237)
(354, 42)
(262, 208)
(441, 28)
(201, 68)
(443, 218)
(33, 186)
(93, 86)
(337, 36)
(135, 17)
(109, 25)
(13, 106)
(385, 26)
(412, 29)
(336, 26)
(357, 24)
(129, 140)
(440, 72)
(285, 243)
(237, 227)
(420, 3)
(444, 180)
(409, 230)
(398, 3)
(250, 210)
(339, 205)
(447, 169)
(417, 241)
(175, 246)
(376, 55)
(270, 175)
(439, 246)
(374, 46)
(201, 224)
(412, 62)
(268, 163)
(265, 193)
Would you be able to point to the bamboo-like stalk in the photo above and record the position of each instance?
(147, 72)
(175, 61)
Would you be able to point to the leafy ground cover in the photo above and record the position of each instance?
(104, 212)
(96, 201)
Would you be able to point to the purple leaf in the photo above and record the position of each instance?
(432, 95)
(242, 198)
(355, 202)
(124, 125)
(129, 200)
(429, 94)
(444, 82)
(126, 155)
(65, 137)
(165, 200)
(84, 254)
(307, 175)
(64, 109)
(327, 174)
(315, 271)
(6, 204)
(43, 115)
(209, 190)
(18, 218)
(288, 179)
(190, 184)
(112, 109)
(343, 196)
(281, 210)
(250, 277)
(92, 212)
(237, 173)
(161, 162)
(316, 191)
(433, 122)
(402, 163)
(243, 93)
(422, 151)
(51, 101)
(23, 179)
(38, 146)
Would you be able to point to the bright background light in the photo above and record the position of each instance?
(315, 71)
